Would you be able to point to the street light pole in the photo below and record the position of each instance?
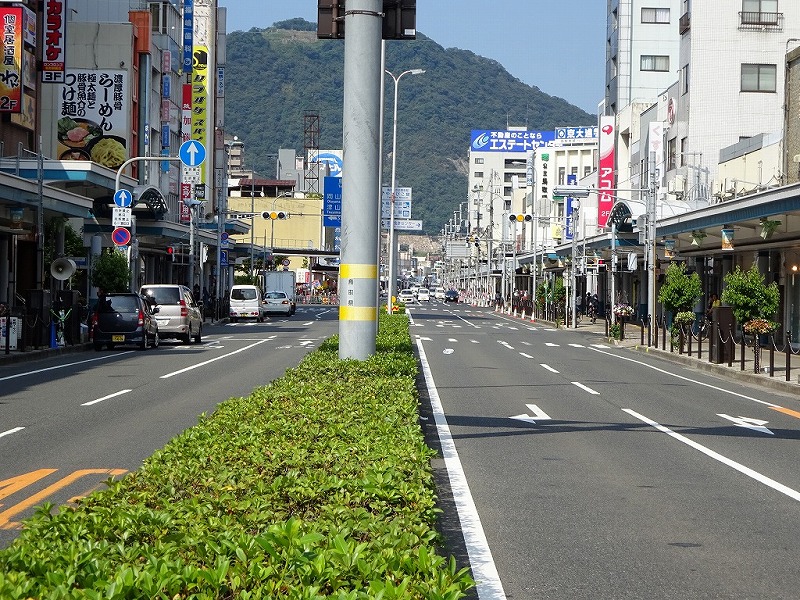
(392, 239)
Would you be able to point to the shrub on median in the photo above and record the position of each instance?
(315, 486)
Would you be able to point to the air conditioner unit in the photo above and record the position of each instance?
(676, 185)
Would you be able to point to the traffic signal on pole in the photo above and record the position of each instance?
(520, 218)
(279, 215)
(171, 252)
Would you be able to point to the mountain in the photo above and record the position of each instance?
(275, 75)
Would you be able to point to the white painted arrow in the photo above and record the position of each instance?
(748, 423)
(538, 415)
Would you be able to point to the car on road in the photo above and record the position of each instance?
(124, 318)
(423, 294)
(179, 315)
(451, 296)
(438, 293)
(246, 302)
(277, 302)
(406, 297)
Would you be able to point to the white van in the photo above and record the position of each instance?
(246, 302)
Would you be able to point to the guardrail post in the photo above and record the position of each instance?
(788, 350)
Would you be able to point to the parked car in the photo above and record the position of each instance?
(124, 318)
(423, 294)
(406, 297)
(246, 302)
(451, 296)
(179, 315)
(277, 302)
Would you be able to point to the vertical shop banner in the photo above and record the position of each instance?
(11, 75)
(569, 230)
(186, 195)
(188, 34)
(94, 108)
(54, 55)
(605, 176)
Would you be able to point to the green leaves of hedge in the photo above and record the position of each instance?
(315, 486)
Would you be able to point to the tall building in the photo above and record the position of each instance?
(642, 46)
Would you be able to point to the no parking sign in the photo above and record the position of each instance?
(121, 236)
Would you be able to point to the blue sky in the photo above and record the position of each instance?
(557, 46)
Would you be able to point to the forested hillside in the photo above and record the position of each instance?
(274, 75)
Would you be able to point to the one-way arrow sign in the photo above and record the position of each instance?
(748, 423)
(538, 415)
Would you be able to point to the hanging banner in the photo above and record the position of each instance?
(727, 239)
(669, 248)
(605, 171)
(572, 207)
(11, 75)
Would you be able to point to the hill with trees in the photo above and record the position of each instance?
(275, 75)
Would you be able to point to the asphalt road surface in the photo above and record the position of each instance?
(70, 422)
(583, 470)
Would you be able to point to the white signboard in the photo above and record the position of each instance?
(12, 332)
(402, 209)
(400, 193)
(121, 217)
(191, 175)
(403, 224)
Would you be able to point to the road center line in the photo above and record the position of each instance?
(484, 570)
(114, 395)
(793, 494)
(10, 431)
(525, 355)
(207, 362)
(548, 367)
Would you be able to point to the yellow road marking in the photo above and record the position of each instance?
(787, 411)
(5, 516)
(15, 484)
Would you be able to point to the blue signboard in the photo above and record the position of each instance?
(188, 34)
(571, 180)
(166, 84)
(510, 141)
(332, 208)
(165, 135)
(332, 161)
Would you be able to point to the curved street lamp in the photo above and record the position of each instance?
(392, 252)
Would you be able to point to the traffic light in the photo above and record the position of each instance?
(520, 218)
(279, 215)
(171, 252)
(601, 265)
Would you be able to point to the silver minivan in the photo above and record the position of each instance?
(179, 315)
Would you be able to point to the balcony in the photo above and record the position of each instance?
(683, 24)
(755, 21)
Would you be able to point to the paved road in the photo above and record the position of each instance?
(592, 471)
(69, 422)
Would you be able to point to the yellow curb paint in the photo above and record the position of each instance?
(358, 313)
(357, 271)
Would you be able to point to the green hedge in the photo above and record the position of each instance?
(315, 486)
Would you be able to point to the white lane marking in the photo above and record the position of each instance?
(114, 395)
(603, 346)
(794, 494)
(204, 363)
(308, 323)
(548, 367)
(475, 341)
(538, 415)
(585, 388)
(526, 343)
(452, 340)
(467, 322)
(448, 351)
(681, 377)
(484, 570)
(551, 344)
(80, 362)
(10, 431)
(525, 355)
(577, 345)
(748, 423)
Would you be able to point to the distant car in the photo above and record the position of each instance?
(423, 294)
(406, 297)
(179, 315)
(438, 293)
(277, 302)
(246, 302)
(124, 318)
(451, 296)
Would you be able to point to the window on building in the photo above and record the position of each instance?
(654, 62)
(574, 171)
(685, 79)
(562, 175)
(478, 175)
(587, 171)
(655, 15)
(684, 146)
(478, 160)
(672, 146)
(759, 78)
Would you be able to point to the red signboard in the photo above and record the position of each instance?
(605, 175)
(54, 59)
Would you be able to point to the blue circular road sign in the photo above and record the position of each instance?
(123, 198)
(192, 153)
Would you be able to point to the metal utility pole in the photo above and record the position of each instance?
(651, 238)
(358, 271)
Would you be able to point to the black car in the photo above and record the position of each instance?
(124, 318)
(451, 296)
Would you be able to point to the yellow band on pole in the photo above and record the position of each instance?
(358, 271)
(358, 313)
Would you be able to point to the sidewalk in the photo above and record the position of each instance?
(633, 342)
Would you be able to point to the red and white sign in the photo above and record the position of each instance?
(605, 175)
(186, 195)
(671, 111)
(55, 41)
(11, 81)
